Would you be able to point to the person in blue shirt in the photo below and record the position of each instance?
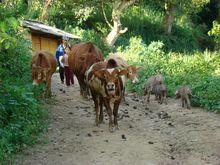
(60, 51)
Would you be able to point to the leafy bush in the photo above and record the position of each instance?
(199, 70)
(215, 32)
(21, 116)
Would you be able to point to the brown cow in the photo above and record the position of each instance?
(43, 65)
(81, 57)
(106, 87)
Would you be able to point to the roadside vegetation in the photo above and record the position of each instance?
(176, 38)
(22, 116)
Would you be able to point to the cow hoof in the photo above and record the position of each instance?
(116, 128)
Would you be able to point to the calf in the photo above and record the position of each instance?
(184, 93)
(131, 69)
(151, 82)
(105, 83)
(43, 65)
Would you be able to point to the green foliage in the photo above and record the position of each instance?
(144, 44)
(21, 116)
(199, 70)
(92, 36)
(215, 32)
(15, 8)
(72, 13)
(181, 6)
(147, 22)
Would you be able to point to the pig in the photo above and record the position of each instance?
(151, 82)
(160, 92)
(184, 93)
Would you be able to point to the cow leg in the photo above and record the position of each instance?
(123, 97)
(115, 112)
(109, 112)
(83, 91)
(48, 86)
(101, 116)
(81, 85)
(96, 102)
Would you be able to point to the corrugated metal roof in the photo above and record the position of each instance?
(38, 26)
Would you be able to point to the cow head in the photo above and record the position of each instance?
(39, 75)
(110, 78)
(132, 73)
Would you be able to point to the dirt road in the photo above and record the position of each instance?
(153, 135)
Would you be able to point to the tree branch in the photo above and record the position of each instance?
(106, 20)
(123, 31)
(124, 4)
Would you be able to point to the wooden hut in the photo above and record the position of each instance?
(45, 37)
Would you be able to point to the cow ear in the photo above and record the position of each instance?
(123, 72)
(100, 73)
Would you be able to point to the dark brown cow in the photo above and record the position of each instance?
(43, 65)
(106, 87)
(81, 57)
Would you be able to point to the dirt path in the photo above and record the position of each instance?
(186, 137)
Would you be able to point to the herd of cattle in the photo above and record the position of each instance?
(103, 80)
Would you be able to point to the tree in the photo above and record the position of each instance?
(118, 7)
(82, 10)
(173, 8)
(215, 32)
(45, 9)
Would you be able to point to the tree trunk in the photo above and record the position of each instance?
(45, 10)
(118, 7)
(115, 32)
(169, 18)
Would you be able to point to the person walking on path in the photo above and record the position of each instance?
(60, 51)
(68, 73)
